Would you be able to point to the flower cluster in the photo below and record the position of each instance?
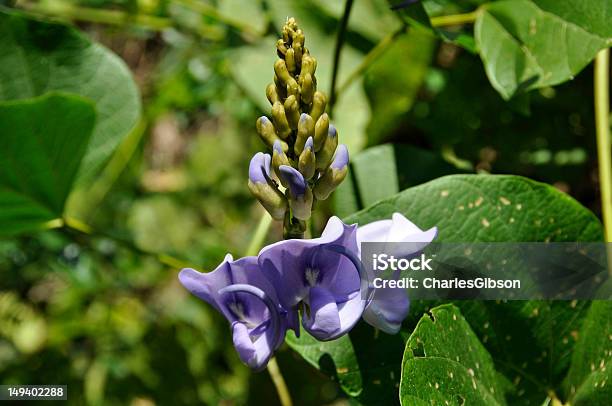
(306, 159)
(319, 283)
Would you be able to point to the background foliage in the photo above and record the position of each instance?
(126, 127)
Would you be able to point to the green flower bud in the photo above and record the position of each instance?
(308, 89)
(270, 198)
(267, 133)
(290, 60)
(279, 158)
(334, 174)
(281, 88)
(298, 39)
(307, 160)
(280, 68)
(309, 66)
(321, 129)
(319, 101)
(280, 120)
(281, 48)
(325, 154)
(265, 188)
(301, 206)
(272, 94)
(305, 129)
(293, 89)
(292, 111)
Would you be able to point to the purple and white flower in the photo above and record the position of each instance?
(239, 291)
(389, 307)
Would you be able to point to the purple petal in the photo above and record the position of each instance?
(341, 159)
(277, 147)
(324, 320)
(332, 132)
(388, 308)
(294, 179)
(255, 354)
(259, 168)
(230, 289)
(309, 143)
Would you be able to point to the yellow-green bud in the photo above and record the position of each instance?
(293, 89)
(281, 88)
(272, 94)
(270, 198)
(321, 128)
(319, 101)
(280, 68)
(292, 111)
(308, 89)
(281, 48)
(333, 175)
(301, 206)
(309, 66)
(290, 60)
(279, 158)
(280, 120)
(305, 129)
(267, 133)
(307, 160)
(325, 154)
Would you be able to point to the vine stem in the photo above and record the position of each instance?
(279, 383)
(259, 237)
(385, 43)
(455, 19)
(337, 50)
(602, 125)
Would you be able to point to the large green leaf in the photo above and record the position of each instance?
(481, 208)
(42, 142)
(524, 46)
(444, 361)
(38, 57)
(590, 376)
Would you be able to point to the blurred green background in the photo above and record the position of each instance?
(110, 320)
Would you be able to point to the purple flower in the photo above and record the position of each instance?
(389, 307)
(259, 168)
(323, 277)
(239, 291)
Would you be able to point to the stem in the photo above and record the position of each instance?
(602, 124)
(279, 382)
(455, 19)
(94, 15)
(73, 224)
(259, 237)
(370, 57)
(339, 42)
(210, 11)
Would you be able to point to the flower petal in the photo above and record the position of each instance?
(323, 322)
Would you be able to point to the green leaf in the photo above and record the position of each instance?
(321, 353)
(43, 141)
(482, 208)
(445, 362)
(380, 172)
(524, 47)
(38, 57)
(590, 376)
